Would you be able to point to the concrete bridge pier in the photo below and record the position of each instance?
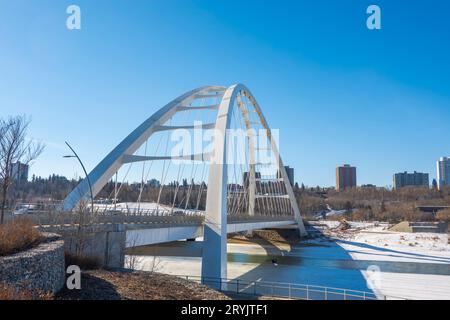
(214, 257)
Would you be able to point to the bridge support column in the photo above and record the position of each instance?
(214, 261)
(214, 252)
(214, 255)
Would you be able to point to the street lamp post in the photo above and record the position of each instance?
(75, 155)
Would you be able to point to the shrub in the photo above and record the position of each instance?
(18, 235)
(84, 262)
(443, 215)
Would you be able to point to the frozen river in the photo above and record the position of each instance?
(394, 269)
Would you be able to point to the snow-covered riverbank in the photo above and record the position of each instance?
(411, 265)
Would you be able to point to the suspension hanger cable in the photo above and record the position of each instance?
(163, 175)
(142, 179)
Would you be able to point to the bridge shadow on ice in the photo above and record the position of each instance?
(317, 262)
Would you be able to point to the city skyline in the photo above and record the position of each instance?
(290, 171)
(338, 92)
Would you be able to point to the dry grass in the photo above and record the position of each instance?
(137, 285)
(18, 235)
(9, 292)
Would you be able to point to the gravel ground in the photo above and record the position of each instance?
(108, 285)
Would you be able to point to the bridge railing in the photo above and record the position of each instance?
(286, 290)
(58, 218)
(257, 218)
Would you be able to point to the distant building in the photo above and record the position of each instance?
(443, 172)
(415, 179)
(434, 184)
(290, 174)
(368, 186)
(19, 172)
(345, 177)
(246, 178)
(153, 183)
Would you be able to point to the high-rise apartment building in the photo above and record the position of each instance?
(19, 171)
(415, 179)
(443, 172)
(345, 177)
(290, 174)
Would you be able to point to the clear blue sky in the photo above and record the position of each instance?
(339, 93)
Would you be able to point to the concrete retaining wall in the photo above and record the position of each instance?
(433, 227)
(105, 243)
(39, 268)
(428, 227)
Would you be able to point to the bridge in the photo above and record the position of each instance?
(237, 182)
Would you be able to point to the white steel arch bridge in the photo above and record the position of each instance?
(235, 182)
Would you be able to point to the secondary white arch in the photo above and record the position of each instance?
(120, 155)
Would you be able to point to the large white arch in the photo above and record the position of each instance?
(215, 234)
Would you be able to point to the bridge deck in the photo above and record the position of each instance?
(144, 230)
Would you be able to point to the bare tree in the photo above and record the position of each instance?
(134, 257)
(14, 147)
(154, 264)
(132, 260)
(81, 220)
